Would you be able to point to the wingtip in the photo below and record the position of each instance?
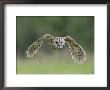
(81, 61)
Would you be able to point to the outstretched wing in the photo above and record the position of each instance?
(77, 52)
(33, 48)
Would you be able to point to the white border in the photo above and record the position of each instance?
(100, 76)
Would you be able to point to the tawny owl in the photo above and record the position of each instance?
(77, 52)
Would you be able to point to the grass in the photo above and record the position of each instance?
(53, 65)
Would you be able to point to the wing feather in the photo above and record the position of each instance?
(33, 48)
(77, 52)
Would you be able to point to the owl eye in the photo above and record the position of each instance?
(61, 42)
(56, 42)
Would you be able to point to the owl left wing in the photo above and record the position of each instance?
(77, 52)
(33, 48)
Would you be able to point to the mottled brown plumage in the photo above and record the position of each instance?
(77, 52)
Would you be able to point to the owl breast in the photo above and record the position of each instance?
(58, 42)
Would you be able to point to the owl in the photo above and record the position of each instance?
(77, 52)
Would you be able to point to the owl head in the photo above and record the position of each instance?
(59, 42)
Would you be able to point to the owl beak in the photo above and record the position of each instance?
(58, 46)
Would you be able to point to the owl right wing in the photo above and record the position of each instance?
(77, 52)
(33, 48)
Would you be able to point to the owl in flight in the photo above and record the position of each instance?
(77, 52)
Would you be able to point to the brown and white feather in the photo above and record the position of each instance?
(77, 52)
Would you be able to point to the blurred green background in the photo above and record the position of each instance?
(47, 60)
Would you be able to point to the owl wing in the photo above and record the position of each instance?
(33, 48)
(77, 52)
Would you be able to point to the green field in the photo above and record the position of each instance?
(53, 65)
